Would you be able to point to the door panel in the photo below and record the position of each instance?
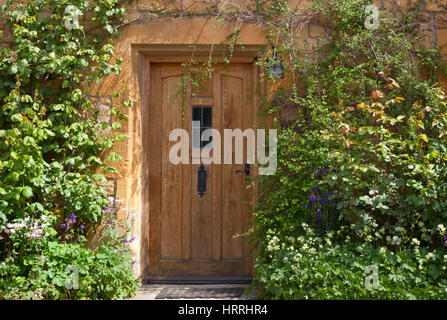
(233, 116)
(192, 235)
(172, 189)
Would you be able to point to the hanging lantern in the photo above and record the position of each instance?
(275, 67)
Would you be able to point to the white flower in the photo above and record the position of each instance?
(298, 256)
(441, 227)
(395, 240)
(445, 257)
(415, 241)
(429, 255)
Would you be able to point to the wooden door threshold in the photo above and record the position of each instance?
(196, 280)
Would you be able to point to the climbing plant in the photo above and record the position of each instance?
(361, 172)
(54, 150)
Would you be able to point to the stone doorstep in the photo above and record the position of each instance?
(150, 291)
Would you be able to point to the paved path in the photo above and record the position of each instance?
(150, 291)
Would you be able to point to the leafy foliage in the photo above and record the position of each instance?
(310, 267)
(363, 167)
(52, 145)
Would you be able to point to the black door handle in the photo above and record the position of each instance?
(246, 170)
(201, 180)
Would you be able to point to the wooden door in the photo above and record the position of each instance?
(191, 235)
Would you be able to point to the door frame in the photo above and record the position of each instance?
(143, 56)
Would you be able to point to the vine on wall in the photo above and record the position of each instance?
(51, 146)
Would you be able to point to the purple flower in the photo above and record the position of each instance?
(130, 240)
(333, 217)
(312, 197)
(304, 205)
(445, 237)
(64, 226)
(133, 262)
(318, 231)
(318, 210)
(328, 228)
(82, 226)
(72, 218)
(108, 209)
(324, 212)
(317, 171)
(324, 170)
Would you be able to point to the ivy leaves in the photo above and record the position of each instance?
(49, 148)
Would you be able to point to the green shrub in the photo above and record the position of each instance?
(101, 274)
(52, 147)
(309, 267)
(363, 167)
